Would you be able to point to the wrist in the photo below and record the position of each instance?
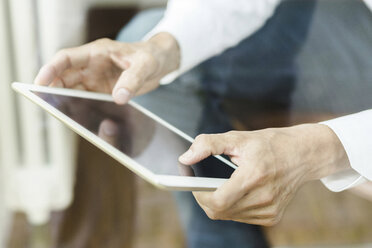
(166, 51)
(321, 151)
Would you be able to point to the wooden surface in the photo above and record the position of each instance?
(157, 222)
(102, 213)
(317, 216)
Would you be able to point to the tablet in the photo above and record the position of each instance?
(135, 137)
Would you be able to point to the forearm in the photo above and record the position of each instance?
(319, 150)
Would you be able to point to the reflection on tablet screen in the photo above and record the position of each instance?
(138, 136)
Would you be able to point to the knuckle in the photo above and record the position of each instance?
(270, 215)
(272, 221)
(268, 223)
(234, 136)
(100, 47)
(97, 51)
(212, 215)
(203, 144)
(273, 212)
(145, 59)
(62, 53)
(269, 199)
(218, 205)
(102, 41)
(234, 133)
(201, 138)
(46, 67)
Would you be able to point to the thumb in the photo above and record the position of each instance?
(141, 66)
(127, 86)
(204, 146)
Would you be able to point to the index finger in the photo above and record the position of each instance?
(65, 59)
(206, 145)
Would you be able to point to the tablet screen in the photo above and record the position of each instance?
(137, 135)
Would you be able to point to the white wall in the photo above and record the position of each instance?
(8, 145)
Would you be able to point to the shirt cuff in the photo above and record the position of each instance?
(170, 77)
(354, 132)
(343, 180)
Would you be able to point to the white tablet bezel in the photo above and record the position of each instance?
(160, 181)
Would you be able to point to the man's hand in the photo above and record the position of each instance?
(108, 66)
(273, 164)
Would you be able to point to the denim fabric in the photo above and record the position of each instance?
(261, 68)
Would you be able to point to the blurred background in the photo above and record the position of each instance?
(57, 190)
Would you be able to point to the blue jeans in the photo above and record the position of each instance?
(260, 69)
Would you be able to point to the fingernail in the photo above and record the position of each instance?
(110, 129)
(184, 158)
(122, 96)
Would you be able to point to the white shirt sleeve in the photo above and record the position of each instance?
(369, 4)
(355, 134)
(204, 28)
